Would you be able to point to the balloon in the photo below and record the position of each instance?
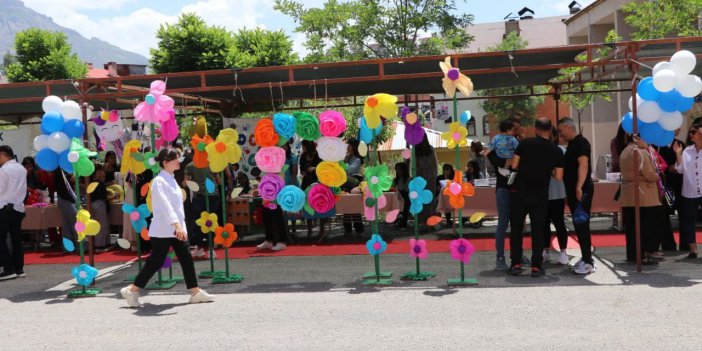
(71, 110)
(51, 122)
(665, 138)
(74, 128)
(51, 103)
(40, 142)
(661, 66)
(47, 160)
(683, 62)
(649, 112)
(628, 123)
(671, 120)
(646, 89)
(639, 100)
(59, 142)
(654, 134)
(689, 86)
(685, 104)
(64, 162)
(665, 80)
(668, 102)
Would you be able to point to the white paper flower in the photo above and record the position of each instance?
(331, 149)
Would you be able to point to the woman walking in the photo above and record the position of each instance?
(689, 164)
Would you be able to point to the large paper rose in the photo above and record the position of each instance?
(291, 198)
(265, 133)
(284, 125)
(270, 186)
(270, 159)
(331, 174)
(332, 123)
(331, 149)
(320, 198)
(306, 126)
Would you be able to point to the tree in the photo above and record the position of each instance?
(662, 18)
(42, 55)
(363, 29)
(260, 48)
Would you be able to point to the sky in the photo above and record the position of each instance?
(132, 24)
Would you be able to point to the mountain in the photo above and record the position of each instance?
(15, 17)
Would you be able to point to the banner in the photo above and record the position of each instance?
(19, 140)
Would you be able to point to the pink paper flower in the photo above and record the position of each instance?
(418, 249)
(155, 107)
(270, 159)
(461, 250)
(320, 198)
(332, 123)
(270, 186)
(369, 204)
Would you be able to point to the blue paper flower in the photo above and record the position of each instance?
(284, 125)
(365, 134)
(376, 245)
(84, 274)
(419, 196)
(291, 198)
(137, 215)
(210, 186)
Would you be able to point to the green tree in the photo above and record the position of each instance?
(662, 18)
(42, 55)
(363, 29)
(260, 48)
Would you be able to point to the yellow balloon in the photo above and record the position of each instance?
(83, 216)
(92, 227)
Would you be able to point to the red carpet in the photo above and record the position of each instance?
(395, 247)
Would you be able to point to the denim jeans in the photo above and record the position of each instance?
(502, 196)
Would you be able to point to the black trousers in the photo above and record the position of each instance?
(650, 237)
(159, 250)
(196, 237)
(555, 216)
(354, 220)
(665, 229)
(274, 225)
(688, 220)
(583, 229)
(536, 207)
(402, 221)
(11, 223)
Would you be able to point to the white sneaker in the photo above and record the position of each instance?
(279, 247)
(201, 297)
(547, 256)
(563, 258)
(265, 245)
(503, 171)
(584, 269)
(131, 297)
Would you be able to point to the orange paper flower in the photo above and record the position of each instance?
(199, 150)
(457, 189)
(225, 235)
(265, 133)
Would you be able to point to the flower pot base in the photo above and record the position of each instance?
(210, 274)
(459, 281)
(369, 275)
(224, 279)
(90, 292)
(375, 281)
(418, 276)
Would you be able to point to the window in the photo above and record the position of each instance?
(471, 127)
(486, 125)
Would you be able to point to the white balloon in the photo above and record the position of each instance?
(59, 142)
(683, 62)
(665, 80)
(71, 110)
(660, 66)
(639, 100)
(671, 120)
(51, 103)
(649, 112)
(689, 86)
(40, 142)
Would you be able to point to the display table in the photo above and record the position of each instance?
(41, 218)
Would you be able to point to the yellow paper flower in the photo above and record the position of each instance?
(454, 79)
(86, 226)
(129, 163)
(224, 150)
(207, 222)
(455, 136)
(331, 174)
(379, 105)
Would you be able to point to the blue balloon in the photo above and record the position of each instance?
(51, 122)
(665, 138)
(628, 123)
(685, 104)
(654, 134)
(646, 89)
(47, 159)
(65, 164)
(74, 128)
(365, 134)
(669, 101)
(43, 131)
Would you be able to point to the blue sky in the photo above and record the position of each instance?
(131, 24)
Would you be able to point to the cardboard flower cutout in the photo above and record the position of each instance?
(224, 150)
(457, 189)
(378, 179)
(419, 195)
(454, 79)
(151, 163)
(414, 133)
(199, 145)
(79, 157)
(207, 222)
(456, 136)
(85, 226)
(84, 274)
(132, 160)
(155, 107)
(137, 216)
(461, 250)
(379, 105)
(418, 249)
(376, 245)
(225, 235)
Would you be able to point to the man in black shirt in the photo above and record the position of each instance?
(579, 189)
(536, 159)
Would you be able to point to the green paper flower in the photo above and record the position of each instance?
(378, 180)
(151, 163)
(79, 156)
(307, 126)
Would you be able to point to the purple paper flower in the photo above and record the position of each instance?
(414, 133)
(270, 186)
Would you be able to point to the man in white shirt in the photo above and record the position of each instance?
(13, 190)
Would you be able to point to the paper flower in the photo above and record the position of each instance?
(132, 160)
(151, 163)
(332, 123)
(454, 79)
(200, 150)
(366, 134)
(414, 133)
(168, 261)
(284, 125)
(84, 274)
(320, 198)
(376, 245)
(291, 198)
(155, 107)
(418, 249)
(169, 127)
(331, 174)
(79, 157)
(379, 105)
(85, 225)
(225, 235)
(207, 222)
(331, 149)
(306, 126)
(270, 185)
(270, 159)
(104, 117)
(369, 203)
(455, 136)
(457, 189)
(461, 250)
(265, 133)
(418, 195)
(137, 215)
(378, 179)
(223, 150)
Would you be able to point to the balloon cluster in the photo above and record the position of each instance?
(61, 123)
(663, 98)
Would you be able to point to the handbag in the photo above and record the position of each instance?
(666, 194)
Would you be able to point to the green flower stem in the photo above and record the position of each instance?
(224, 220)
(134, 188)
(209, 235)
(413, 170)
(458, 165)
